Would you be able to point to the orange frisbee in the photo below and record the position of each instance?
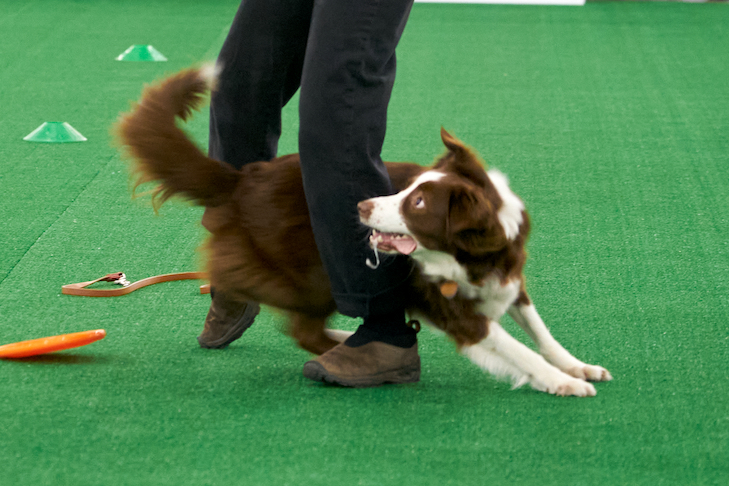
(24, 349)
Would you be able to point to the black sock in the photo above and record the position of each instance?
(386, 328)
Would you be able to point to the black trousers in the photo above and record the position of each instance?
(341, 54)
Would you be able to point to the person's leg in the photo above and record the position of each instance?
(260, 70)
(349, 72)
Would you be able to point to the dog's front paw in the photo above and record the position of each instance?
(576, 368)
(563, 385)
(576, 388)
(590, 373)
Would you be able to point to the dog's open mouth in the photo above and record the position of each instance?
(393, 242)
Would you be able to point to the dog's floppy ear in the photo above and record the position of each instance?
(472, 224)
(461, 160)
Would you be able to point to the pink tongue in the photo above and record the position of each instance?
(403, 245)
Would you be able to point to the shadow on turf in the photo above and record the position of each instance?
(61, 359)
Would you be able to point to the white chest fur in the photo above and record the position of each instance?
(496, 296)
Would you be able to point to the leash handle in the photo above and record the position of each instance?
(81, 290)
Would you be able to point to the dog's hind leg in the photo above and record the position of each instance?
(528, 318)
(338, 335)
(309, 333)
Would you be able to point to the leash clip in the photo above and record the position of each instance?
(118, 278)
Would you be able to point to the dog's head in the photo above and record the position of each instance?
(456, 207)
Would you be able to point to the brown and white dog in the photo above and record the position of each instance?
(463, 226)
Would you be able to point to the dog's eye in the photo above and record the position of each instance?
(419, 203)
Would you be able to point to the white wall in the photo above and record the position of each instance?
(511, 2)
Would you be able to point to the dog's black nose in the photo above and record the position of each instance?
(365, 209)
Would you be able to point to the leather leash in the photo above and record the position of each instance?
(119, 278)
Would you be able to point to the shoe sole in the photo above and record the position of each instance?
(316, 372)
(235, 331)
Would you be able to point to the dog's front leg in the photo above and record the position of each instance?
(528, 318)
(505, 357)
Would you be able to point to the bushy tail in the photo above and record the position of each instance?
(160, 151)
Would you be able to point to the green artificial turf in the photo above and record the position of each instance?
(612, 122)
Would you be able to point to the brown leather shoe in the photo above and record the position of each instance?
(226, 321)
(371, 364)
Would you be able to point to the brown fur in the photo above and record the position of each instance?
(261, 245)
(460, 218)
(470, 229)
